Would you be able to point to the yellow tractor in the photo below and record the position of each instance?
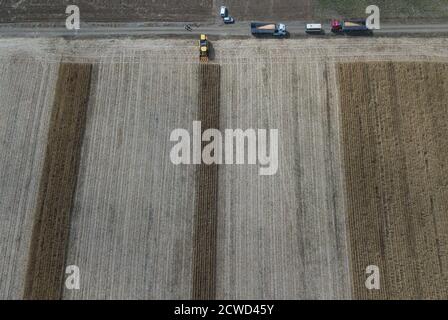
(203, 48)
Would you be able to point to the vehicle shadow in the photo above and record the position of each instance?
(211, 52)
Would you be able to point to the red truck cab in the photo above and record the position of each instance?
(336, 26)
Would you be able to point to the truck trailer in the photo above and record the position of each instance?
(351, 26)
(268, 29)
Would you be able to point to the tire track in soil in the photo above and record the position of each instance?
(46, 264)
(205, 220)
(395, 128)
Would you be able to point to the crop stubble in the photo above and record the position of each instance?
(46, 262)
(282, 236)
(205, 223)
(132, 223)
(395, 128)
(270, 9)
(23, 137)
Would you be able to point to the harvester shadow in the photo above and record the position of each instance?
(211, 53)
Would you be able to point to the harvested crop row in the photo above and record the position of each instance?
(205, 223)
(282, 236)
(395, 129)
(58, 182)
(132, 221)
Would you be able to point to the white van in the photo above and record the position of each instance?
(223, 11)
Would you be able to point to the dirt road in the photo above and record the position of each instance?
(296, 28)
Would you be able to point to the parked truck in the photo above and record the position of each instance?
(351, 26)
(266, 29)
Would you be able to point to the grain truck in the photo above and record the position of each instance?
(350, 26)
(268, 29)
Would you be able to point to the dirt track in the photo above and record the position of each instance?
(395, 129)
(46, 264)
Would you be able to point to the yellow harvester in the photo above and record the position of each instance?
(203, 48)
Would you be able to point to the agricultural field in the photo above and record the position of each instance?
(404, 10)
(270, 9)
(106, 10)
(286, 10)
(26, 97)
(395, 129)
(131, 11)
(282, 236)
(133, 207)
(143, 228)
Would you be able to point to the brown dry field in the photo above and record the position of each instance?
(131, 11)
(46, 264)
(106, 10)
(205, 220)
(395, 133)
(158, 10)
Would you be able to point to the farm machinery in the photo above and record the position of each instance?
(204, 48)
